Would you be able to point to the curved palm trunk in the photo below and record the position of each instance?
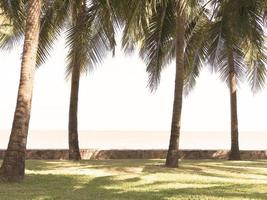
(173, 152)
(74, 151)
(234, 153)
(13, 167)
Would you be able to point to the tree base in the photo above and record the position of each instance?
(171, 165)
(172, 160)
(75, 156)
(13, 166)
(9, 178)
(234, 156)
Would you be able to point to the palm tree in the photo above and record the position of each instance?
(173, 151)
(164, 29)
(237, 49)
(13, 167)
(91, 34)
(79, 13)
(191, 23)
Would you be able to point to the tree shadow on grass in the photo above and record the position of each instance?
(191, 165)
(237, 167)
(110, 188)
(114, 165)
(211, 168)
(103, 188)
(247, 163)
(51, 186)
(194, 170)
(207, 168)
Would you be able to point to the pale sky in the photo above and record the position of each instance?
(115, 97)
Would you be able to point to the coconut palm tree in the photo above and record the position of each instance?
(164, 29)
(90, 35)
(237, 49)
(13, 167)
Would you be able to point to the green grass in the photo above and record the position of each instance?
(140, 180)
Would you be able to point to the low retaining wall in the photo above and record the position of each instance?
(93, 154)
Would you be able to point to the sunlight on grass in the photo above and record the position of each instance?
(140, 180)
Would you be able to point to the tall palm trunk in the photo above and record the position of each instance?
(74, 151)
(172, 156)
(234, 154)
(13, 167)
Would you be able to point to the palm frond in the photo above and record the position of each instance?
(52, 23)
(256, 60)
(135, 20)
(89, 38)
(158, 41)
(196, 50)
(14, 12)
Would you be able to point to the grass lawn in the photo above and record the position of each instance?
(140, 180)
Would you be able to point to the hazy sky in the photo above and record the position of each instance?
(115, 97)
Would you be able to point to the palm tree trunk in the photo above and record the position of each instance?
(173, 152)
(74, 151)
(234, 153)
(13, 167)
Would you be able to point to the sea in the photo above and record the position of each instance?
(58, 139)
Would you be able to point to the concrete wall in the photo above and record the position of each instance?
(138, 154)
